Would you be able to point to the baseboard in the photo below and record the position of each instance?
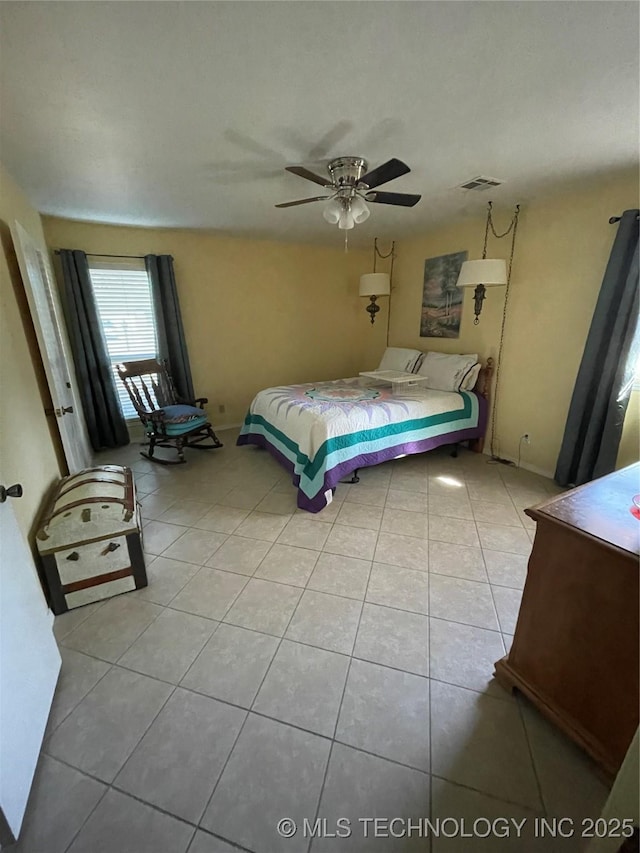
(535, 470)
(526, 465)
(136, 432)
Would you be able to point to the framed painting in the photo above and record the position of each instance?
(441, 299)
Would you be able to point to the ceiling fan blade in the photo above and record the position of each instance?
(310, 176)
(387, 172)
(403, 199)
(303, 201)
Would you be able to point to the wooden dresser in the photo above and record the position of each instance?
(575, 649)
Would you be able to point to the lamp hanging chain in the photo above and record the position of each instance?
(390, 254)
(379, 253)
(513, 228)
(486, 231)
(393, 257)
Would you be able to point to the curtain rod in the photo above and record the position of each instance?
(614, 219)
(100, 255)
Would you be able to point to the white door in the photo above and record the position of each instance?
(29, 667)
(46, 312)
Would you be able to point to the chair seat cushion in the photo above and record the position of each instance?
(180, 419)
(188, 426)
(180, 414)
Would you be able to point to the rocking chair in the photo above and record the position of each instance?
(168, 421)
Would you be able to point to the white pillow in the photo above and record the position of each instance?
(469, 381)
(397, 358)
(446, 372)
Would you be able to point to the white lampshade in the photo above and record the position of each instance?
(332, 211)
(375, 284)
(488, 272)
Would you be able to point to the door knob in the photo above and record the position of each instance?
(14, 491)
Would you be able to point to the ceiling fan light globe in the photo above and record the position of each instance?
(359, 210)
(346, 221)
(332, 212)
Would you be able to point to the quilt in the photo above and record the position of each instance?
(322, 432)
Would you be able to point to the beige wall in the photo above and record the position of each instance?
(256, 313)
(562, 248)
(259, 313)
(27, 453)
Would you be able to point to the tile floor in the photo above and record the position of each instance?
(284, 665)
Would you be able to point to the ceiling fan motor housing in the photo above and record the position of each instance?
(347, 171)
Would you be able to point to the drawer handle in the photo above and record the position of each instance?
(73, 556)
(112, 546)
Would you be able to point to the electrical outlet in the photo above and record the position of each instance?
(526, 438)
(221, 409)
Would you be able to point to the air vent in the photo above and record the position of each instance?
(481, 183)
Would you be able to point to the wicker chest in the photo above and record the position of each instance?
(89, 538)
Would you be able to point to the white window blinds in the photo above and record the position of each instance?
(123, 297)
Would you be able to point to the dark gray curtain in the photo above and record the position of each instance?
(172, 344)
(106, 426)
(603, 385)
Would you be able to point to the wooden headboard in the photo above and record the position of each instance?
(483, 388)
(483, 382)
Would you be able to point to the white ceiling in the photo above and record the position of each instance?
(185, 113)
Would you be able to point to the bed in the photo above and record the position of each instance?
(322, 432)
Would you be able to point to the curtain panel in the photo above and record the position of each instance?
(605, 377)
(172, 344)
(105, 424)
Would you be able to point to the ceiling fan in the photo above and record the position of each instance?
(350, 186)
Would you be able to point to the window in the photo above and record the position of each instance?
(123, 297)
